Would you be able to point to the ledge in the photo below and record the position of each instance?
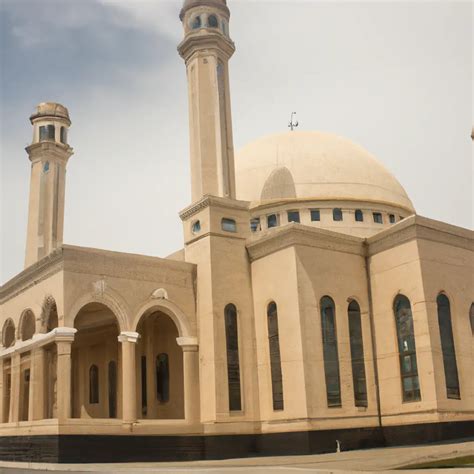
(212, 201)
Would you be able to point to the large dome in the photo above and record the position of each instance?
(314, 166)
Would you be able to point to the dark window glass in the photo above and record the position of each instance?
(63, 135)
(471, 318)
(337, 214)
(315, 215)
(112, 389)
(357, 355)
(162, 378)
(46, 132)
(293, 216)
(447, 347)
(378, 218)
(406, 349)
(255, 224)
(233, 364)
(196, 227)
(196, 23)
(229, 225)
(330, 353)
(93, 384)
(212, 21)
(275, 358)
(272, 220)
(9, 333)
(359, 216)
(45, 166)
(391, 217)
(144, 387)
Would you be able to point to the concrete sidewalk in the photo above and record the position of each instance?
(379, 460)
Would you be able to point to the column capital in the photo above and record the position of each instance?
(188, 344)
(64, 334)
(129, 336)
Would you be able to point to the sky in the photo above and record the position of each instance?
(395, 77)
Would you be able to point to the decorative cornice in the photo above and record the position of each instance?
(212, 201)
(59, 334)
(32, 275)
(420, 228)
(294, 234)
(205, 40)
(49, 149)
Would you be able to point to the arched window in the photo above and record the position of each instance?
(272, 220)
(359, 216)
(196, 227)
(233, 364)
(63, 135)
(330, 353)
(8, 333)
(46, 132)
(27, 325)
(337, 214)
(229, 225)
(212, 21)
(45, 166)
(162, 378)
(471, 318)
(49, 314)
(93, 384)
(196, 23)
(357, 355)
(275, 358)
(112, 389)
(406, 349)
(447, 346)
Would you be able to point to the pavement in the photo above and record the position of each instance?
(380, 460)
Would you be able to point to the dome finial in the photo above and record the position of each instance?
(293, 123)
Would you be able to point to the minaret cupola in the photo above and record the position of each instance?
(206, 50)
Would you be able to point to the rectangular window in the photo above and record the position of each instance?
(337, 214)
(272, 221)
(359, 216)
(255, 224)
(392, 218)
(144, 387)
(315, 215)
(229, 225)
(63, 135)
(46, 132)
(293, 216)
(378, 218)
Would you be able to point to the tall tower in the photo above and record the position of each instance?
(49, 154)
(206, 50)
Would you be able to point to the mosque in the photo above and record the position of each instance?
(310, 307)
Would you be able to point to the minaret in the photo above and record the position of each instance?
(206, 50)
(49, 154)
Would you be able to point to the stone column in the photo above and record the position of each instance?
(191, 378)
(64, 338)
(15, 388)
(37, 388)
(129, 376)
(2, 390)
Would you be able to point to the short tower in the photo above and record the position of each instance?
(49, 154)
(206, 50)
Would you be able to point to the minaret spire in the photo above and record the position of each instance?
(49, 154)
(206, 50)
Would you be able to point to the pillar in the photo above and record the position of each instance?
(129, 376)
(2, 390)
(15, 388)
(64, 339)
(190, 349)
(37, 388)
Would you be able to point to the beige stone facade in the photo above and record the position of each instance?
(309, 294)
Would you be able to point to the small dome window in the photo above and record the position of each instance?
(46, 132)
(196, 227)
(45, 166)
(272, 220)
(294, 216)
(337, 214)
(359, 215)
(255, 225)
(315, 215)
(378, 219)
(392, 218)
(63, 135)
(196, 22)
(229, 225)
(212, 21)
